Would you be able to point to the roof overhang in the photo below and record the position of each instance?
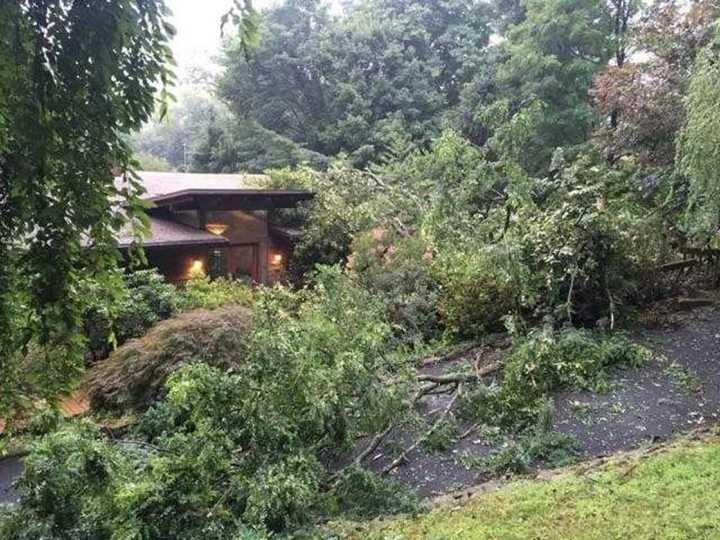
(230, 199)
(218, 242)
(167, 233)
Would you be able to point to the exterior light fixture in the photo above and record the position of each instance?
(216, 228)
(277, 259)
(196, 267)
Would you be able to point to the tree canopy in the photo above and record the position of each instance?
(74, 79)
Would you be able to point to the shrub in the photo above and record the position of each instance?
(398, 269)
(143, 300)
(476, 293)
(133, 376)
(149, 300)
(212, 294)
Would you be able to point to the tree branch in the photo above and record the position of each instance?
(403, 457)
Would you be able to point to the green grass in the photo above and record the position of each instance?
(670, 495)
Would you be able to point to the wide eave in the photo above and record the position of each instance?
(229, 199)
(166, 233)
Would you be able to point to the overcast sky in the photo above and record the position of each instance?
(198, 26)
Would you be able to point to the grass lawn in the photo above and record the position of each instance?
(674, 494)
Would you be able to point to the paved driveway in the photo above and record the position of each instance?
(10, 469)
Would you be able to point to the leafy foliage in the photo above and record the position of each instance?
(545, 361)
(212, 294)
(78, 467)
(550, 59)
(524, 181)
(476, 293)
(361, 495)
(134, 375)
(231, 450)
(74, 80)
(577, 359)
(517, 457)
(346, 203)
(641, 98)
(398, 269)
(388, 68)
(145, 299)
(699, 143)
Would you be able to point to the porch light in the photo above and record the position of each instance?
(277, 259)
(216, 228)
(197, 266)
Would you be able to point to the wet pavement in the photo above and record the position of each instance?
(10, 470)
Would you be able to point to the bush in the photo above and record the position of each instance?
(397, 268)
(133, 376)
(212, 294)
(144, 299)
(149, 300)
(476, 293)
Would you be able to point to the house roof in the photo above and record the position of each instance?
(160, 184)
(191, 191)
(287, 234)
(170, 233)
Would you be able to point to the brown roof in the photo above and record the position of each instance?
(288, 234)
(189, 191)
(170, 233)
(159, 184)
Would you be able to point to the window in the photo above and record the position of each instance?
(217, 263)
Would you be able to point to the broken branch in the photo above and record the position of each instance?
(457, 378)
(403, 457)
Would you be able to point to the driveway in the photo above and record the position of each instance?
(10, 470)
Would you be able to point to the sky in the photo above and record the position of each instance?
(198, 25)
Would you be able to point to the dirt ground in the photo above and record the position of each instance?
(678, 390)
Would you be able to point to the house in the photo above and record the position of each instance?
(217, 225)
